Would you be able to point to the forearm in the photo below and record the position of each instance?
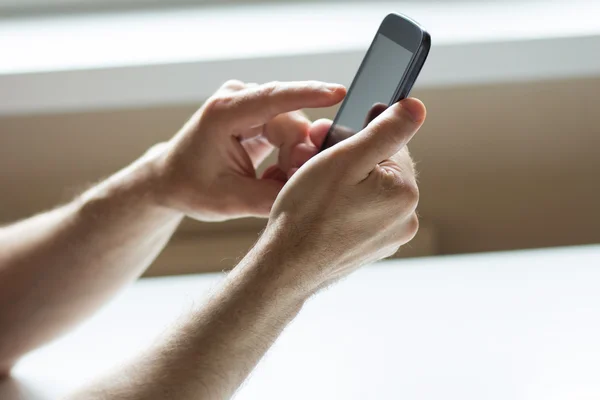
(210, 354)
(58, 267)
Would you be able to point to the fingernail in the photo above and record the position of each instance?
(335, 87)
(413, 109)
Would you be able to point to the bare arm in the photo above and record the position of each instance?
(59, 267)
(350, 205)
(212, 351)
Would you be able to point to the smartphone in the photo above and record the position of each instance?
(386, 75)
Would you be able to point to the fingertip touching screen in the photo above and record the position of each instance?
(372, 90)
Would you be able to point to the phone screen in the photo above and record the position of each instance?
(372, 89)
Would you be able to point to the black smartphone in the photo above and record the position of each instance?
(386, 75)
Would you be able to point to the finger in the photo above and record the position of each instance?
(299, 155)
(259, 195)
(318, 131)
(258, 149)
(232, 85)
(289, 132)
(256, 105)
(275, 173)
(283, 131)
(383, 137)
(291, 172)
(287, 129)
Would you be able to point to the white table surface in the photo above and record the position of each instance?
(515, 325)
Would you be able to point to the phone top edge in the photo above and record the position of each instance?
(403, 30)
(404, 17)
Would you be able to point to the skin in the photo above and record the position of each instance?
(329, 213)
(341, 132)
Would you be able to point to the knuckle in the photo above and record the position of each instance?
(412, 226)
(392, 250)
(390, 182)
(388, 252)
(410, 194)
(269, 88)
(407, 230)
(156, 149)
(233, 84)
(218, 103)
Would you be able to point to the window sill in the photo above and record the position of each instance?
(142, 59)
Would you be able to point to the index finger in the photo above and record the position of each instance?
(255, 106)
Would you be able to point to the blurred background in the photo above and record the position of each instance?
(508, 157)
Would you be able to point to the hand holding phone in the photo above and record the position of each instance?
(385, 76)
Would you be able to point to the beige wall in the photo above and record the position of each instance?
(502, 167)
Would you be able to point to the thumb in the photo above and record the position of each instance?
(384, 136)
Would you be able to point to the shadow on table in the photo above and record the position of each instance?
(15, 389)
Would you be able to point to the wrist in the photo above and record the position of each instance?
(177, 187)
(274, 266)
(138, 186)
